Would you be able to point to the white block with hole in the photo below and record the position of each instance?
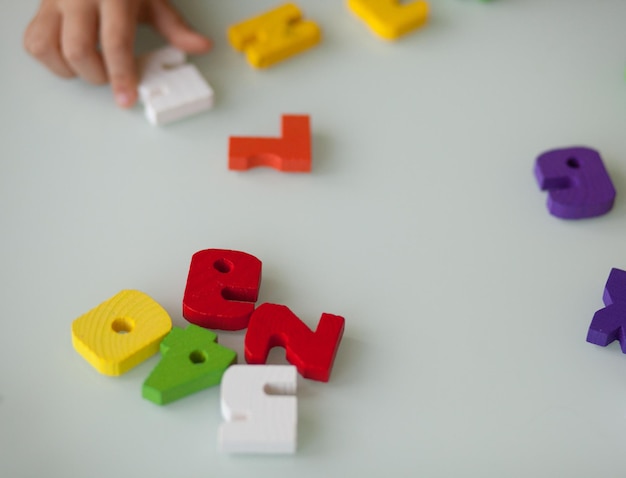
(170, 88)
(260, 408)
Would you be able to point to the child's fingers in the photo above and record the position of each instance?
(119, 23)
(42, 41)
(170, 24)
(79, 41)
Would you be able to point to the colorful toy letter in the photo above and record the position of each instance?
(274, 36)
(170, 88)
(313, 353)
(578, 184)
(390, 19)
(191, 361)
(609, 324)
(121, 332)
(222, 287)
(260, 408)
(290, 153)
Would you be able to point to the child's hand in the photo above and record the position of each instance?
(94, 39)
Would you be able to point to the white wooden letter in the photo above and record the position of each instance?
(260, 408)
(170, 88)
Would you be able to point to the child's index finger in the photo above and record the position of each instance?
(118, 27)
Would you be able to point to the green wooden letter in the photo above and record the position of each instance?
(191, 360)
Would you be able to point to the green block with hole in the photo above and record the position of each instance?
(191, 360)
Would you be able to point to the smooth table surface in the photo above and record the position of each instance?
(466, 304)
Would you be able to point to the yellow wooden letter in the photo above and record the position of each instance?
(390, 18)
(121, 332)
(274, 36)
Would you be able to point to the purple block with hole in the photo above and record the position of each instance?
(577, 182)
(609, 324)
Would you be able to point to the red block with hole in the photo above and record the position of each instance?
(289, 153)
(313, 353)
(222, 288)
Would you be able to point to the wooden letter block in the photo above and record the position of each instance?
(290, 153)
(390, 19)
(313, 353)
(609, 324)
(578, 184)
(274, 36)
(260, 408)
(222, 287)
(170, 88)
(191, 361)
(121, 332)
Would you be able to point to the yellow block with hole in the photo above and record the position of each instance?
(390, 19)
(121, 332)
(274, 36)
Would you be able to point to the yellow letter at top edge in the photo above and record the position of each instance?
(121, 332)
(274, 36)
(389, 18)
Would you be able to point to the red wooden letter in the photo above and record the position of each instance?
(222, 287)
(313, 353)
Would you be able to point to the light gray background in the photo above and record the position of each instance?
(467, 304)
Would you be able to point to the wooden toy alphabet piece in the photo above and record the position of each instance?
(222, 287)
(609, 324)
(390, 19)
(274, 36)
(121, 332)
(260, 408)
(289, 153)
(191, 361)
(170, 88)
(578, 184)
(313, 353)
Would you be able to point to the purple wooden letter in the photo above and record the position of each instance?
(609, 324)
(578, 184)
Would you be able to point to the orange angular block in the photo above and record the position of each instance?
(289, 153)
